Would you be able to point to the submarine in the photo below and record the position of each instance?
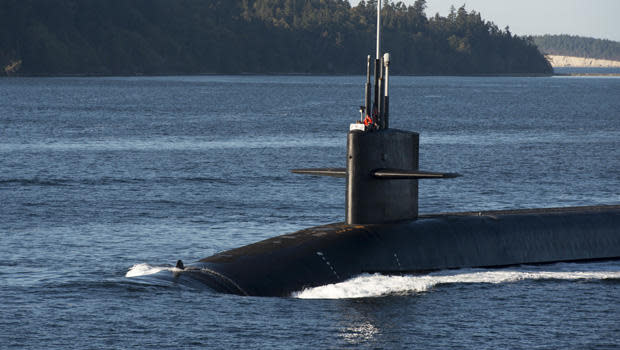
(383, 231)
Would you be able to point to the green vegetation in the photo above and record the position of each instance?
(569, 45)
(52, 37)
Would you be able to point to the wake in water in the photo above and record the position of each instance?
(376, 285)
(140, 270)
(164, 276)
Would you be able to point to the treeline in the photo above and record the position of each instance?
(577, 46)
(54, 37)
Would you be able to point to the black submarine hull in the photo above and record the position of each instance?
(333, 253)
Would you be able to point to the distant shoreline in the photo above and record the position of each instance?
(587, 74)
(274, 74)
(558, 61)
(516, 75)
(534, 75)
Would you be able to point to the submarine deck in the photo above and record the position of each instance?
(335, 252)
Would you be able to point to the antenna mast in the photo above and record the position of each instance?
(376, 106)
(378, 56)
(376, 117)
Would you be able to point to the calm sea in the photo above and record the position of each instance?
(105, 181)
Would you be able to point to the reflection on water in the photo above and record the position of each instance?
(169, 143)
(359, 333)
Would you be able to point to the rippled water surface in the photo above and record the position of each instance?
(106, 182)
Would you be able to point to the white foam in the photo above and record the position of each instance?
(376, 285)
(146, 269)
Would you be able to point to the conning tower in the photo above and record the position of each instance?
(382, 164)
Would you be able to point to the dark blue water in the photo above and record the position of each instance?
(103, 178)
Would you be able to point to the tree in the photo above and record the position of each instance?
(251, 36)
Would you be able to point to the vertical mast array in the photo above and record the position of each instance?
(379, 110)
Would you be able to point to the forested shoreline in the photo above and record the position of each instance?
(127, 37)
(578, 46)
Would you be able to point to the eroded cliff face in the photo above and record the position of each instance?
(570, 61)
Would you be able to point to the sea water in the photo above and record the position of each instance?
(106, 182)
